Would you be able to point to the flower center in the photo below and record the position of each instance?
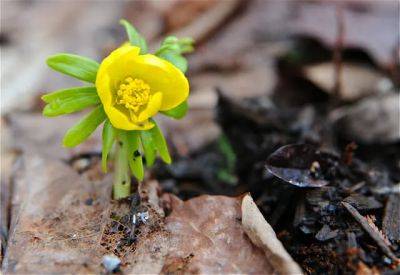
(133, 93)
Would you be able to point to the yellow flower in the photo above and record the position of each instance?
(133, 87)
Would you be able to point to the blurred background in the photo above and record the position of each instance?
(237, 41)
(265, 73)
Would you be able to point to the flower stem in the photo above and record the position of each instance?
(122, 180)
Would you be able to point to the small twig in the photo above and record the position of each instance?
(337, 53)
(391, 223)
(371, 231)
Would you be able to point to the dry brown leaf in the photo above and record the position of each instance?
(363, 269)
(47, 140)
(208, 21)
(371, 221)
(356, 81)
(263, 236)
(370, 25)
(182, 13)
(207, 235)
(53, 229)
(372, 120)
(204, 235)
(391, 221)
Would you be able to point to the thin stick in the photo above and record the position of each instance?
(371, 232)
(337, 53)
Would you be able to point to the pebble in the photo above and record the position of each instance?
(111, 263)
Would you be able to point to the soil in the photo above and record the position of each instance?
(303, 172)
(321, 159)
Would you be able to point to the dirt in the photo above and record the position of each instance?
(302, 188)
(322, 166)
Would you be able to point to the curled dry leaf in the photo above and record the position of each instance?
(302, 165)
(263, 236)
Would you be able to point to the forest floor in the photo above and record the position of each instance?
(292, 105)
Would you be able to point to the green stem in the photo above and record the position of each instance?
(122, 180)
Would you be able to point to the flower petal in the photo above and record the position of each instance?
(169, 86)
(120, 121)
(152, 107)
(162, 77)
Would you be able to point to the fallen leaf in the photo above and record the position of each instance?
(263, 236)
(363, 269)
(391, 221)
(47, 140)
(52, 229)
(356, 81)
(214, 15)
(361, 202)
(369, 25)
(325, 233)
(302, 165)
(207, 235)
(182, 13)
(209, 229)
(372, 120)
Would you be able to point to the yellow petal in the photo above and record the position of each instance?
(110, 70)
(169, 86)
(152, 107)
(121, 121)
(162, 77)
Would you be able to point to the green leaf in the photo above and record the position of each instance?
(134, 37)
(84, 128)
(160, 143)
(67, 93)
(108, 137)
(179, 46)
(70, 105)
(176, 59)
(186, 45)
(178, 112)
(134, 157)
(80, 67)
(143, 45)
(227, 151)
(149, 148)
(172, 49)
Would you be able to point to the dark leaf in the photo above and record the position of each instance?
(302, 165)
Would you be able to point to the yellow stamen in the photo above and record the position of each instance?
(133, 93)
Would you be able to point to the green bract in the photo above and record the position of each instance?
(125, 147)
(74, 65)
